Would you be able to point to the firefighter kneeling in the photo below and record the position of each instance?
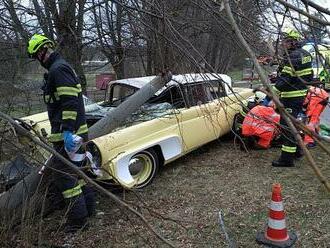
(260, 126)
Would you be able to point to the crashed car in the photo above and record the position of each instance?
(190, 111)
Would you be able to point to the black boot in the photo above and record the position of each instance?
(285, 160)
(299, 154)
(282, 163)
(89, 195)
(75, 225)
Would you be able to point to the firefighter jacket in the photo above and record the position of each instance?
(63, 96)
(261, 122)
(296, 68)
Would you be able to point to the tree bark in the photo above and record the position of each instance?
(69, 28)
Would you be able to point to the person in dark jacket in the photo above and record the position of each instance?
(295, 72)
(65, 106)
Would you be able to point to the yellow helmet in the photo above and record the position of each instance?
(291, 34)
(36, 42)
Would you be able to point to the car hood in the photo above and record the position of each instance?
(36, 118)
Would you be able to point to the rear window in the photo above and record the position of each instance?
(198, 94)
(118, 93)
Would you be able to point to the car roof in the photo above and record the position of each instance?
(139, 82)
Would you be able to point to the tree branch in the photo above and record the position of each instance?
(290, 6)
(81, 174)
(316, 6)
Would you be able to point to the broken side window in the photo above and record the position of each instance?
(118, 93)
(172, 95)
(198, 94)
(216, 89)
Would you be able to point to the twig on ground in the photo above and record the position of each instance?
(231, 244)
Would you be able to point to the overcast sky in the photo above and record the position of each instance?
(323, 3)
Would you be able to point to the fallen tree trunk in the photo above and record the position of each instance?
(11, 200)
(118, 115)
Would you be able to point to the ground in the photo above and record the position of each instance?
(184, 201)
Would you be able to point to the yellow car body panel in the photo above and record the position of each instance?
(184, 129)
(175, 133)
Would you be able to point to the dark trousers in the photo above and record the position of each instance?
(289, 147)
(78, 197)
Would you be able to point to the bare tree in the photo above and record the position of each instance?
(112, 33)
(62, 21)
(185, 36)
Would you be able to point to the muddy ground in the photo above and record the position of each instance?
(184, 202)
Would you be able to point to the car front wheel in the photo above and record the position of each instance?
(237, 124)
(143, 167)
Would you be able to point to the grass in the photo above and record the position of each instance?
(236, 74)
(184, 201)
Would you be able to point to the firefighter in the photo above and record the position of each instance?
(296, 70)
(65, 107)
(315, 102)
(260, 125)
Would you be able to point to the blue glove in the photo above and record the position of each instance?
(265, 102)
(68, 141)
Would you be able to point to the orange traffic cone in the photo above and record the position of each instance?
(276, 234)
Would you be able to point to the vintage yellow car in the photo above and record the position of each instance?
(190, 111)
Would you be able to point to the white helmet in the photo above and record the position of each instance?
(259, 96)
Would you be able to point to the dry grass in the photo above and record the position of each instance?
(184, 202)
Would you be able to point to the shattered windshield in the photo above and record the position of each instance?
(90, 105)
(148, 112)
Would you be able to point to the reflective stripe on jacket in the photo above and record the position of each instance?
(297, 68)
(261, 122)
(315, 101)
(65, 104)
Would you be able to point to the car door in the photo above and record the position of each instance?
(220, 117)
(198, 123)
